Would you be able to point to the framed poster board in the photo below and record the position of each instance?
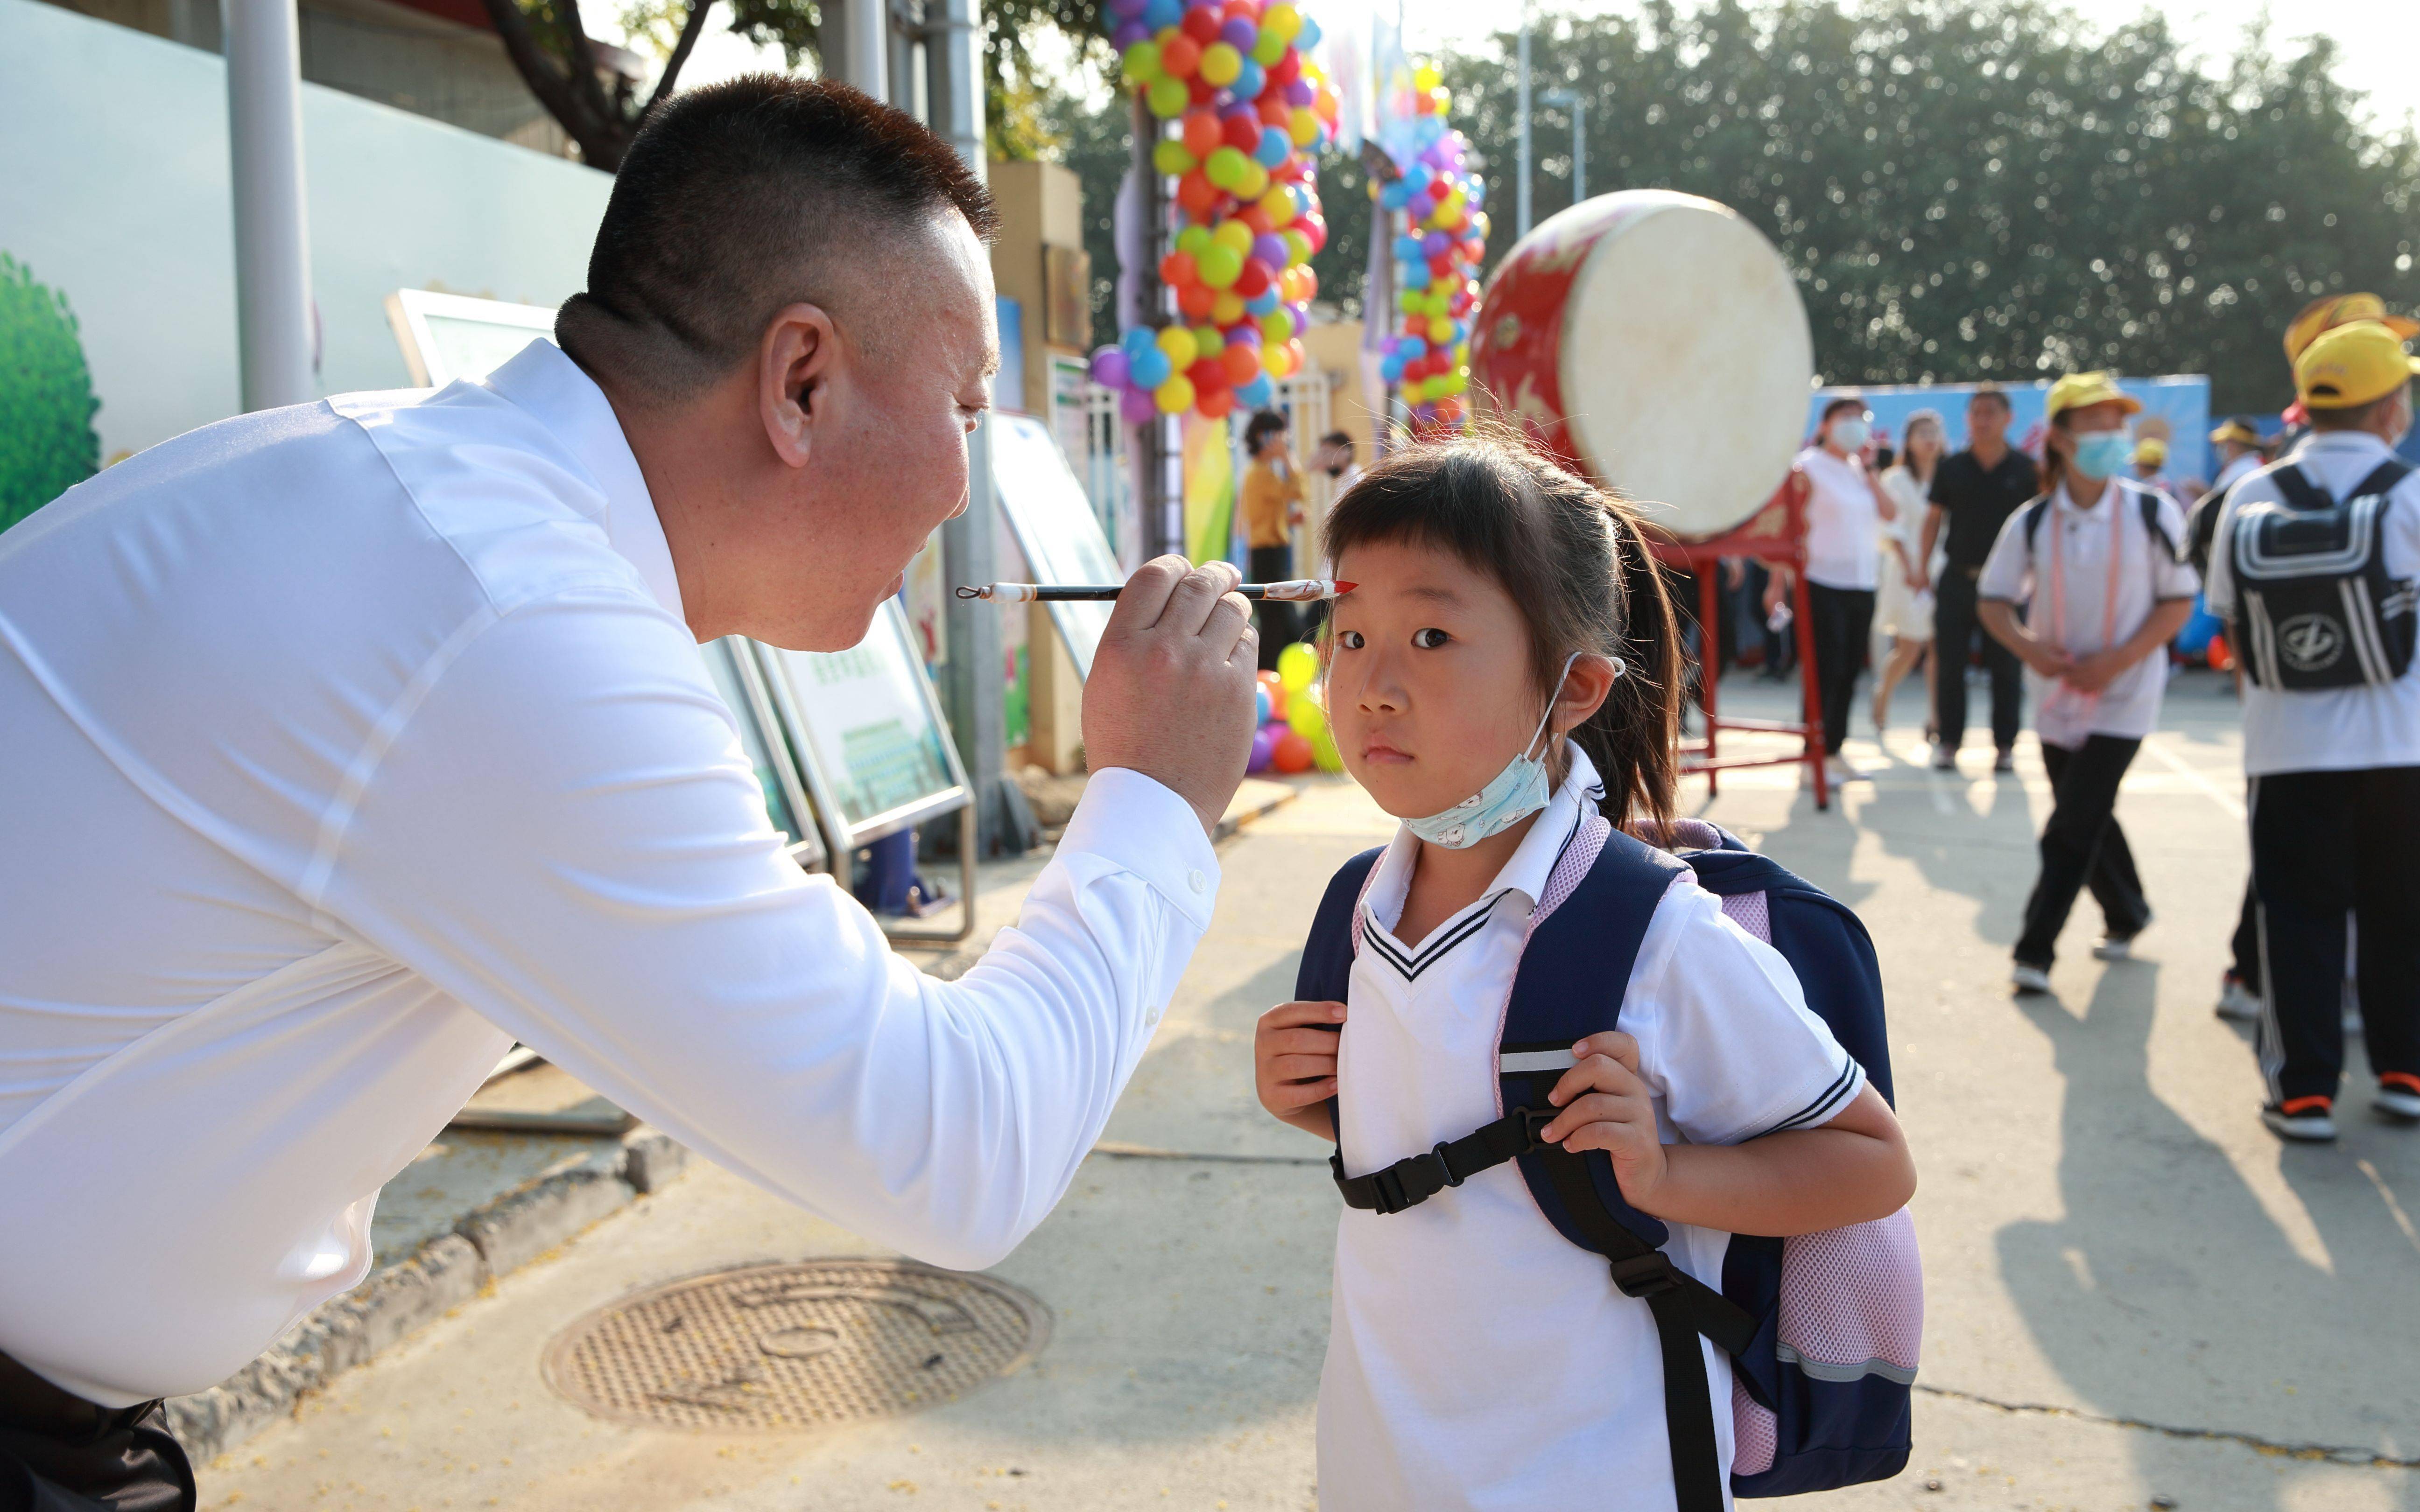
(737, 678)
(1066, 297)
(449, 336)
(868, 733)
(1053, 522)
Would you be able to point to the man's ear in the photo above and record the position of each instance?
(796, 362)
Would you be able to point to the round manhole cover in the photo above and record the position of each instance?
(790, 1346)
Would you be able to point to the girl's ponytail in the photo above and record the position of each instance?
(1632, 739)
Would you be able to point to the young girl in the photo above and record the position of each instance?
(1903, 607)
(1504, 672)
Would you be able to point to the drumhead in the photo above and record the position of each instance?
(1686, 360)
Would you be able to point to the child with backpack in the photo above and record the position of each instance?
(2094, 562)
(1553, 1052)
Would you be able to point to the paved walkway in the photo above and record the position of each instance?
(2134, 1292)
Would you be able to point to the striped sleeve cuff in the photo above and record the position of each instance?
(1827, 1105)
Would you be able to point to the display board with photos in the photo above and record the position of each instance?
(867, 729)
(1053, 522)
(450, 336)
(740, 681)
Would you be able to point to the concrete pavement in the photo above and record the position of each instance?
(2133, 1290)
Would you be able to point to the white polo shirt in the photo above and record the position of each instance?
(348, 743)
(2334, 729)
(1476, 1357)
(2147, 574)
(1844, 535)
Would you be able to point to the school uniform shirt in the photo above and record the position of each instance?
(351, 742)
(2236, 471)
(2333, 728)
(2147, 574)
(1844, 526)
(1476, 1357)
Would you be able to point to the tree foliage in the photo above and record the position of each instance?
(46, 443)
(1985, 189)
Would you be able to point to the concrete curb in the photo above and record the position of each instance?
(492, 1241)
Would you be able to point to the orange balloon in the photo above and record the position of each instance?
(1213, 403)
(1275, 686)
(1197, 193)
(1292, 753)
(1242, 362)
(1196, 301)
(1201, 132)
(1180, 55)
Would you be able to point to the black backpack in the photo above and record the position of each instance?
(2314, 605)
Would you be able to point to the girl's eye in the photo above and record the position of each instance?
(1430, 639)
(1349, 639)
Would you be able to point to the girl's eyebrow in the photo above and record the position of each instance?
(1440, 594)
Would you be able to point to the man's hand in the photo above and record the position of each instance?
(1605, 1106)
(1171, 694)
(1293, 1063)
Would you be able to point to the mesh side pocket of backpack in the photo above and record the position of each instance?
(1852, 1302)
(1756, 1433)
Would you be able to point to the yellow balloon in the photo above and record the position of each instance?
(1176, 396)
(1179, 344)
(1440, 330)
(1281, 20)
(1254, 182)
(1278, 204)
(1233, 234)
(1297, 668)
(1226, 307)
(1221, 64)
(1426, 77)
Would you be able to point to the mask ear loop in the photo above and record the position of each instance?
(1560, 679)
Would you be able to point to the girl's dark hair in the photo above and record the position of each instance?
(1846, 401)
(1572, 557)
(1263, 424)
(2053, 464)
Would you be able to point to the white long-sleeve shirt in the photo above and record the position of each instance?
(346, 744)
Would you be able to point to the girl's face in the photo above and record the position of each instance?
(1924, 442)
(1430, 690)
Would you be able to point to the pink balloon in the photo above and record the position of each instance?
(1135, 406)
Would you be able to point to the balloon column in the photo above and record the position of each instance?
(1440, 236)
(1294, 734)
(1249, 110)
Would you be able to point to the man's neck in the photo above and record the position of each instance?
(1989, 453)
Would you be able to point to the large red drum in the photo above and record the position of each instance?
(1658, 342)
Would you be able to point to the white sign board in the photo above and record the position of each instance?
(786, 800)
(868, 730)
(449, 336)
(1055, 525)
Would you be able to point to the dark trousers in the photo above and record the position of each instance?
(1844, 623)
(2082, 846)
(1955, 625)
(59, 1453)
(1279, 627)
(2323, 843)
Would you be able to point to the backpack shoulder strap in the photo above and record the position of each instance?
(2299, 491)
(2383, 477)
(2149, 500)
(2035, 509)
(1327, 967)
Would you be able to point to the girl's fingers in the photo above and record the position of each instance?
(1286, 1015)
(1596, 1074)
(1614, 1045)
(1288, 1097)
(1296, 1042)
(1618, 1139)
(1600, 1107)
(1300, 1068)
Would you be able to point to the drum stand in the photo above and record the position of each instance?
(1776, 536)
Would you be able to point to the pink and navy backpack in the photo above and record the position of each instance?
(1822, 1329)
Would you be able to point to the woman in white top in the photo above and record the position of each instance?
(1904, 603)
(1845, 509)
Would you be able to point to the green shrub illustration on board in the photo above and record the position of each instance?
(46, 443)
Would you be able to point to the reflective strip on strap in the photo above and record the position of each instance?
(1535, 1060)
(1842, 1374)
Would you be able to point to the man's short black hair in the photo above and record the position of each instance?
(1338, 437)
(1988, 391)
(731, 203)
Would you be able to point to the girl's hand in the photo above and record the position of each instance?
(1293, 1064)
(1605, 1106)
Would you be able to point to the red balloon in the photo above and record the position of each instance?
(1255, 279)
(1242, 132)
(1196, 299)
(1201, 91)
(1201, 132)
(1257, 217)
(1208, 374)
(1240, 10)
(1180, 55)
(1316, 228)
(1440, 265)
(1287, 68)
(1274, 111)
(1292, 753)
(1197, 193)
(1242, 360)
(1201, 25)
(1214, 404)
(1176, 270)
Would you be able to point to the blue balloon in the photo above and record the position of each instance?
(1275, 145)
(1258, 394)
(1390, 369)
(1393, 196)
(1250, 81)
(1158, 13)
(1411, 348)
(1307, 38)
(1415, 275)
(1408, 249)
(1262, 302)
(1139, 340)
(1149, 369)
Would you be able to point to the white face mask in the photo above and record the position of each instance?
(1850, 435)
(1515, 793)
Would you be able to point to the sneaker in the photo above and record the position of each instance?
(2398, 1096)
(2029, 979)
(2115, 947)
(2005, 760)
(1943, 759)
(2311, 1118)
(2237, 1000)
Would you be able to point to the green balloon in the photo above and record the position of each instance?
(1219, 266)
(1303, 716)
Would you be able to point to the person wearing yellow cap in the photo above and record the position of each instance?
(2314, 567)
(2239, 443)
(2094, 562)
(2150, 460)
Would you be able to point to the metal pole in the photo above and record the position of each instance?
(1521, 216)
(974, 681)
(863, 55)
(272, 254)
(1577, 105)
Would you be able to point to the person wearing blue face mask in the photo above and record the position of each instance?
(1845, 511)
(2094, 559)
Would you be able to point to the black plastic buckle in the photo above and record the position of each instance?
(1409, 1182)
(1646, 1275)
(1532, 1125)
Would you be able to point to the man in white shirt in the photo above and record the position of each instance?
(2095, 564)
(2335, 767)
(351, 742)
